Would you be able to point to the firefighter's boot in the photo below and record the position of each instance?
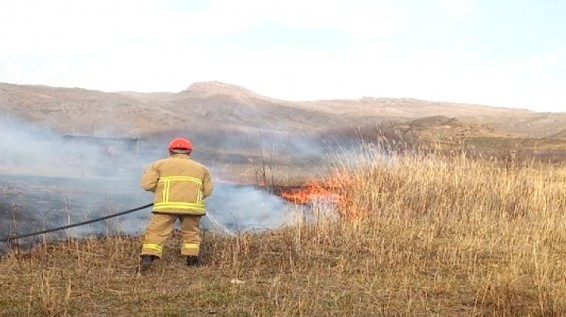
(193, 260)
(146, 260)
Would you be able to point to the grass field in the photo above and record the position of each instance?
(418, 235)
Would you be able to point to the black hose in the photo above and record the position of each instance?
(10, 238)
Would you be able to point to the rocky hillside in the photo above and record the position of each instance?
(241, 132)
(214, 107)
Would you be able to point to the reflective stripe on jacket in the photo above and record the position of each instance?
(179, 185)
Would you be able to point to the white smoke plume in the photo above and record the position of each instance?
(47, 181)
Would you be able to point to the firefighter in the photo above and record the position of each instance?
(180, 186)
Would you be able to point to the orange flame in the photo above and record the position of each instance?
(311, 193)
(336, 189)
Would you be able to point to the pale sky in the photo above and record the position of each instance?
(507, 53)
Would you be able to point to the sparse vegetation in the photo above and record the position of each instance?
(433, 235)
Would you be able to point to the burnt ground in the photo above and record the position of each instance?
(33, 203)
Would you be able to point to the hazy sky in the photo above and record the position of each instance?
(509, 53)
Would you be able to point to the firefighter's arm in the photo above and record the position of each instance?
(150, 178)
(207, 184)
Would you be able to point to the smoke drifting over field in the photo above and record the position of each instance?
(47, 181)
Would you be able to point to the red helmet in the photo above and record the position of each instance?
(180, 144)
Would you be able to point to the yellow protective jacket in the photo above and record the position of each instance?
(179, 185)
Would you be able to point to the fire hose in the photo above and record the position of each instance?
(10, 238)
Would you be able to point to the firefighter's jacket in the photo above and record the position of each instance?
(179, 185)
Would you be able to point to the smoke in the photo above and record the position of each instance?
(47, 181)
(242, 208)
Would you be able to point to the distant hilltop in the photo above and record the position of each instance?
(213, 106)
(206, 89)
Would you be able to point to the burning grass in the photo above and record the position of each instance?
(424, 235)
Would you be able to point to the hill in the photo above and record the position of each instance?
(230, 107)
(231, 121)
(559, 135)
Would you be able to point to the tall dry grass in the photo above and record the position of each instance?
(433, 236)
(457, 227)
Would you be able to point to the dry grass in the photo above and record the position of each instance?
(442, 236)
